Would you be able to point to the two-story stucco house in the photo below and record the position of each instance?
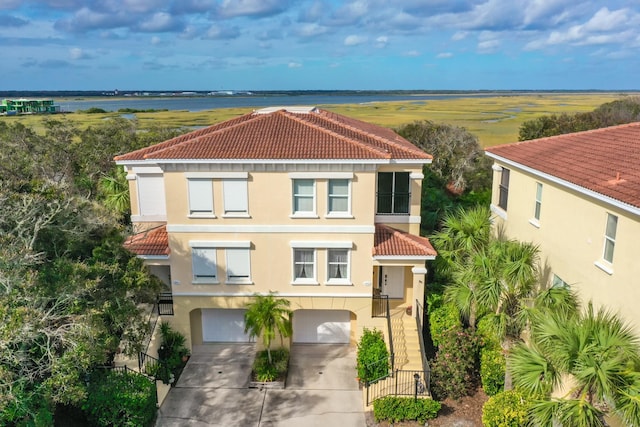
(320, 208)
(577, 196)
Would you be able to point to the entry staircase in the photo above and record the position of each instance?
(409, 374)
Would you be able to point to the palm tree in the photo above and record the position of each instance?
(115, 191)
(267, 315)
(594, 354)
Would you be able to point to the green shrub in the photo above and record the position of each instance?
(116, 398)
(492, 367)
(442, 319)
(454, 370)
(171, 351)
(506, 409)
(397, 409)
(486, 330)
(264, 371)
(373, 356)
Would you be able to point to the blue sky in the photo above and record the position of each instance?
(319, 44)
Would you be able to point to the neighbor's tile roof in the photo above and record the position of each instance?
(150, 242)
(285, 135)
(391, 242)
(605, 160)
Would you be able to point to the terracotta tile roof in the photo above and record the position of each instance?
(285, 135)
(605, 160)
(391, 242)
(150, 242)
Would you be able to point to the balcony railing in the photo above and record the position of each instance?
(165, 304)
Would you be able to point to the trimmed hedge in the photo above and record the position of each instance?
(396, 409)
(442, 319)
(116, 398)
(373, 356)
(492, 367)
(506, 409)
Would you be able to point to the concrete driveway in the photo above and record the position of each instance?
(321, 390)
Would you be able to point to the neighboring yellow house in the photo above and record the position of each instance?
(320, 208)
(577, 196)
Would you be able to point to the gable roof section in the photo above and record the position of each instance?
(154, 242)
(603, 161)
(312, 134)
(390, 242)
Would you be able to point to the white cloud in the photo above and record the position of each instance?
(77, 53)
(294, 64)
(488, 46)
(159, 22)
(381, 42)
(411, 53)
(232, 8)
(444, 55)
(459, 35)
(354, 40)
(310, 30)
(155, 40)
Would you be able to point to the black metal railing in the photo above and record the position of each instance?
(379, 306)
(152, 321)
(396, 203)
(392, 355)
(401, 383)
(423, 353)
(165, 304)
(149, 365)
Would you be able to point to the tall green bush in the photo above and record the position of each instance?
(171, 351)
(506, 409)
(492, 368)
(116, 398)
(442, 319)
(397, 409)
(454, 370)
(373, 356)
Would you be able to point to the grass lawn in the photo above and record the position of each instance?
(494, 120)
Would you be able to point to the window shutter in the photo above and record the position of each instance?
(238, 264)
(200, 196)
(204, 263)
(235, 195)
(151, 194)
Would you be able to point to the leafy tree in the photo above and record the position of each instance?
(594, 354)
(266, 316)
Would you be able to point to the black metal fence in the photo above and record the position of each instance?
(401, 383)
(425, 362)
(165, 304)
(380, 306)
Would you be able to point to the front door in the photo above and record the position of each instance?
(392, 282)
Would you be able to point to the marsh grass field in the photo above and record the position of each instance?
(494, 119)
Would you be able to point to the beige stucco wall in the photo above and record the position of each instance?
(570, 234)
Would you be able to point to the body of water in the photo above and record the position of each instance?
(245, 101)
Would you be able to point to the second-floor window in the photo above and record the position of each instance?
(338, 265)
(151, 199)
(393, 193)
(610, 238)
(538, 204)
(200, 196)
(238, 265)
(338, 196)
(304, 197)
(204, 264)
(503, 196)
(304, 266)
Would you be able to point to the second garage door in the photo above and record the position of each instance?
(223, 325)
(322, 326)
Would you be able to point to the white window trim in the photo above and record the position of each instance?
(303, 214)
(238, 281)
(215, 244)
(202, 214)
(339, 214)
(310, 280)
(217, 175)
(345, 281)
(321, 175)
(606, 239)
(498, 211)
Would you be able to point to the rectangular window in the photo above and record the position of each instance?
(504, 189)
(339, 196)
(204, 264)
(304, 261)
(304, 196)
(610, 237)
(338, 265)
(238, 265)
(393, 193)
(538, 206)
(151, 194)
(235, 196)
(200, 196)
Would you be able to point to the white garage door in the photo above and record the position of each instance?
(322, 326)
(223, 325)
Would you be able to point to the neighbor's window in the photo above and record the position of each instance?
(204, 265)
(200, 196)
(610, 237)
(558, 282)
(338, 265)
(504, 189)
(338, 196)
(151, 199)
(235, 196)
(304, 265)
(393, 193)
(303, 196)
(538, 206)
(238, 265)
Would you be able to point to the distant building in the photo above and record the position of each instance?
(28, 106)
